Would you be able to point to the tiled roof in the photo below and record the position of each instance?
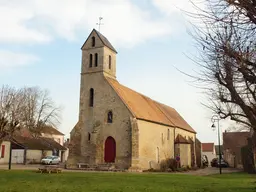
(144, 108)
(207, 147)
(50, 130)
(181, 140)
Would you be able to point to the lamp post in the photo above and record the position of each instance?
(214, 119)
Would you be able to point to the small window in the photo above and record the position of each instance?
(90, 64)
(91, 97)
(93, 41)
(110, 117)
(109, 61)
(2, 151)
(89, 136)
(96, 59)
(168, 134)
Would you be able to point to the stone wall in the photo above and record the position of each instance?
(185, 155)
(188, 135)
(88, 136)
(93, 121)
(154, 144)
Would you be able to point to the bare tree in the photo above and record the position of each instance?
(29, 108)
(226, 42)
(227, 58)
(40, 110)
(10, 109)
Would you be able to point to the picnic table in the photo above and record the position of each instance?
(49, 169)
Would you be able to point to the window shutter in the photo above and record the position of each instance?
(2, 151)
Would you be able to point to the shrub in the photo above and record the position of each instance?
(169, 164)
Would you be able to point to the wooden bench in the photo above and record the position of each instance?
(80, 165)
(49, 169)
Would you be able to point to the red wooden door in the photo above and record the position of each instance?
(2, 151)
(110, 150)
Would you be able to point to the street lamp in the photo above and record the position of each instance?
(214, 119)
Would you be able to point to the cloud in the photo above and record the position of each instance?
(38, 21)
(14, 29)
(10, 59)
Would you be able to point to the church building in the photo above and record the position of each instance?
(120, 126)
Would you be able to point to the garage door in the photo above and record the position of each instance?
(18, 156)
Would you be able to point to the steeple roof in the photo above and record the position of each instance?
(103, 39)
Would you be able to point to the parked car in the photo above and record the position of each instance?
(51, 160)
(214, 162)
(222, 163)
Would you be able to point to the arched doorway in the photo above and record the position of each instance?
(110, 150)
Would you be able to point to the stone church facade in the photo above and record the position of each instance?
(120, 126)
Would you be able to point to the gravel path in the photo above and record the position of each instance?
(212, 171)
(206, 171)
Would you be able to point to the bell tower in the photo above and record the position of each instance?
(98, 55)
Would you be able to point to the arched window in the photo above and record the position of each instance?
(90, 64)
(96, 59)
(109, 61)
(168, 134)
(89, 136)
(93, 41)
(157, 155)
(110, 117)
(91, 97)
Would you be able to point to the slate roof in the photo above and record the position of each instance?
(144, 108)
(40, 143)
(103, 39)
(207, 147)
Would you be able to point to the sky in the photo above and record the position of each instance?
(40, 43)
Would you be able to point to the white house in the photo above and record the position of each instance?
(208, 149)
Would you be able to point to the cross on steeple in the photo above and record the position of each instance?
(100, 18)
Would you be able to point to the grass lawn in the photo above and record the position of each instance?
(29, 181)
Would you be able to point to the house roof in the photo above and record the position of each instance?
(181, 140)
(207, 147)
(52, 143)
(50, 130)
(233, 140)
(39, 143)
(144, 108)
(103, 39)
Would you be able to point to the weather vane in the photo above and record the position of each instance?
(100, 18)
